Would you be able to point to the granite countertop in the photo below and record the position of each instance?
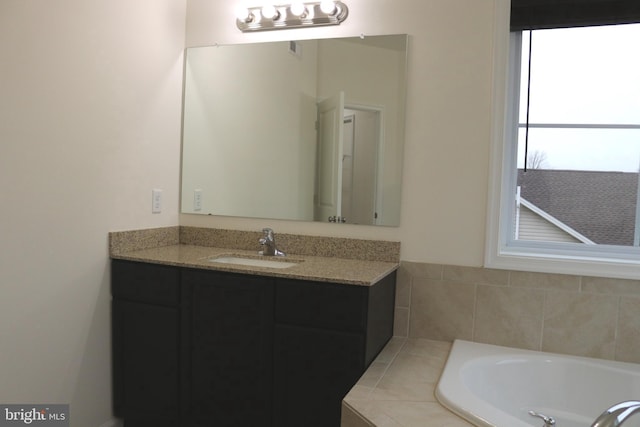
(398, 388)
(316, 268)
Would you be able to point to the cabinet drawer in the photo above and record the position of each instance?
(321, 305)
(150, 283)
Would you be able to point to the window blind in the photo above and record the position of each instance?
(543, 14)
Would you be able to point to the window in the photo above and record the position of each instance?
(570, 184)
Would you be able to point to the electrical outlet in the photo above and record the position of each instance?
(197, 200)
(156, 201)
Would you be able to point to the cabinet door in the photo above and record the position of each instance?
(231, 349)
(145, 363)
(314, 370)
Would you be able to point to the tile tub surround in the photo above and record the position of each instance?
(398, 388)
(566, 314)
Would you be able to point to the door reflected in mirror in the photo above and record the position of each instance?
(308, 130)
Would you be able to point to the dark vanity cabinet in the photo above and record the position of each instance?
(146, 343)
(326, 335)
(231, 334)
(202, 348)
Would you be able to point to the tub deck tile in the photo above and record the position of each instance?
(398, 389)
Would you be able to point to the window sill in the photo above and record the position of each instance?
(536, 261)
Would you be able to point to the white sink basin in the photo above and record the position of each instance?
(254, 262)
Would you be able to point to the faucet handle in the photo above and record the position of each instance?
(267, 238)
(548, 421)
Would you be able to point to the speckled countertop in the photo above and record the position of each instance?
(321, 269)
(186, 247)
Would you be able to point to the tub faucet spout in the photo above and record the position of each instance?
(617, 414)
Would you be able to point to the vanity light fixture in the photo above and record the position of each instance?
(295, 15)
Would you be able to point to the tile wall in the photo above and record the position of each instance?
(577, 315)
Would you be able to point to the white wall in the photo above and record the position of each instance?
(90, 97)
(448, 124)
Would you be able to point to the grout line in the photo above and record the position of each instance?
(616, 331)
(544, 306)
(386, 368)
(475, 312)
(410, 304)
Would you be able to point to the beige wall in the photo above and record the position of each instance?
(448, 124)
(89, 123)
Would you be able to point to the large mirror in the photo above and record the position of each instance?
(308, 130)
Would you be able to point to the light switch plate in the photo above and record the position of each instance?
(156, 201)
(197, 200)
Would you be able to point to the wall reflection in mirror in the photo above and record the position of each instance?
(309, 130)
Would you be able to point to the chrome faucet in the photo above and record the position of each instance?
(617, 414)
(268, 240)
(548, 421)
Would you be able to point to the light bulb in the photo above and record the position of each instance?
(298, 8)
(328, 7)
(270, 12)
(243, 14)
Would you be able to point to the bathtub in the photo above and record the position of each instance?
(492, 386)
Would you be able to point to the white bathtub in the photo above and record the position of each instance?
(492, 386)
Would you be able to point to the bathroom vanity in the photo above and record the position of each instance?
(197, 343)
